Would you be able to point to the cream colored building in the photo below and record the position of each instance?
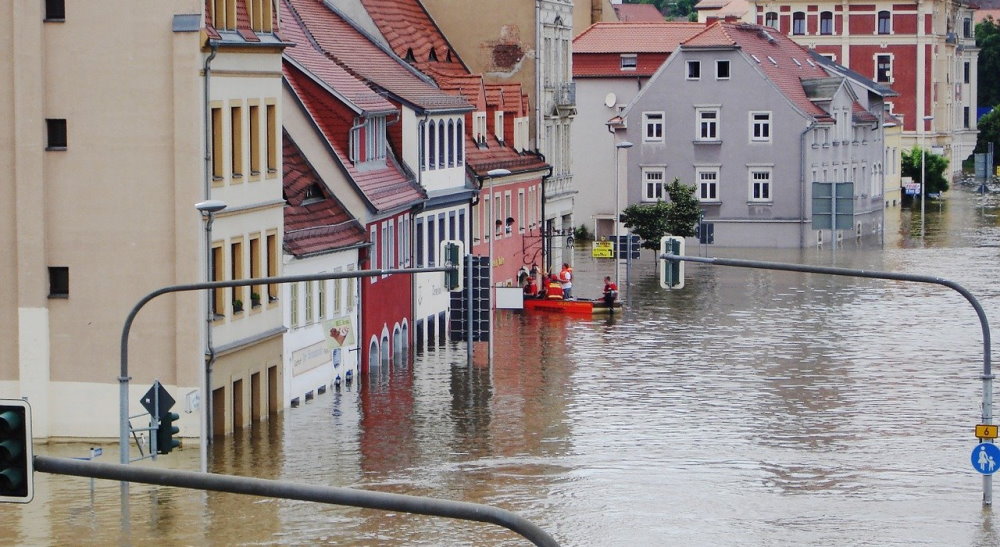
(107, 146)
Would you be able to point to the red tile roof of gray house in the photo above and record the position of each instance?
(637, 12)
(785, 63)
(315, 220)
(365, 59)
(385, 188)
(597, 50)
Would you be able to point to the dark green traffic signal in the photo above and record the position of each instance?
(16, 480)
(165, 441)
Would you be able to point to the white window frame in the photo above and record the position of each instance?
(805, 26)
(707, 128)
(712, 196)
(647, 123)
(629, 62)
(875, 63)
(758, 187)
(687, 70)
(653, 183)
(771, 19)
(762, 124)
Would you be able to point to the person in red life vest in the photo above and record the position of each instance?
(530, 288)
(566, 278)
(610, 291)
(555, 290)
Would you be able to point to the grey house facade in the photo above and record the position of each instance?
(752, 120)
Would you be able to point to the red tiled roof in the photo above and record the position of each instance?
(366, 60)
(661, 37)
(309, 57)
(497, 156)
(317, 225)
(637, 12)
(386, 188)
(859, 114)
(407, 26)
(784, 62)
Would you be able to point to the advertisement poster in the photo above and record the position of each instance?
(340, 333)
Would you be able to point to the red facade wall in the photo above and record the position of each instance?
(862, 24)
(516, 249)
(387, 302)
(904, 23)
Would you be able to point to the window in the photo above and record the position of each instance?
(883, 22)
(760, 184)
(442, 145)
(55, 10)
(236, 133)
(826, 22)
(629, 62)
(420, 243)
(883, 68)
(218, 171)
(321, 295)
(309, 302)
(652, 184)
(260, 15)
(967, 27)
(708, 124)
(760, 126)
(350, 291)
(722, 70)
(255, 269)
(293, 305)
(254, 111)
(272, 139)
(431, 241)
(965, 117)
(653, 123)
(694, 70)
(218, 267)
(521, 217)
(459, 143)
(338, 299)
(236, 273)
(771, 19)
(56, 134)
(272, 266)
(967, 67)
(708, 183)
(799, 23)
(58, 282)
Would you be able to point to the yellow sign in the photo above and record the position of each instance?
(984, 431)
(603, 249)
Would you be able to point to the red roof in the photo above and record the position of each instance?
(784, 62)
(660, 37)
(315, 220)
(637, 12)
(363, 58)
(412, 34)
(387, 188)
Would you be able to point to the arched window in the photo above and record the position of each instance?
(452, 141)
(431, 143)
(442, 145)
(384, 354)
(799, 23)
(826, 22)
(397, 346)
(405, 343)
(883, 22)
(373, 358)
(460, 138)
(771, 19)
(423, 147)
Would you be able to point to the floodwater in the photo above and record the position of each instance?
(750, 408)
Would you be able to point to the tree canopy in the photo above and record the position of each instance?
(678, 217)
(988, 42)
(989, 131)
(935, 169)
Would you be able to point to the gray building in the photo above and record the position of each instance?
(752, 120)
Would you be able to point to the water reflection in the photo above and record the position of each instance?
(752, 407)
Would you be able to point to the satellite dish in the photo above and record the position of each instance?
(610, 100)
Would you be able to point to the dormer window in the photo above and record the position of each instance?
(260, 15)
(313, 194)
(368, 142)
(629, 62)
(479, 127)
(498, 125)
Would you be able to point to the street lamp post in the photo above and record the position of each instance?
(492, 174)
(923, 181)
(618, 245)
(208, 209)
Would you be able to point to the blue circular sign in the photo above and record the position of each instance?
(986, 458)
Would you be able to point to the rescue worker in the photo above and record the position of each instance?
(566, 279)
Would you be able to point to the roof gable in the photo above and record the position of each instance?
(660, 37)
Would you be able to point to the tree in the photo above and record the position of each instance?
(651, 221)
(935, 169)
(988, 42)
(989, 131)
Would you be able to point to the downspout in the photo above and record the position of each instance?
(206, 408)
(351, 132)
(546, 241)
(802, 182)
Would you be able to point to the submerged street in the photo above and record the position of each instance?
(752, 407)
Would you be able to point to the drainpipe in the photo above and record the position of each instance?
(802, 182)
(206, 395)
(351, 132)
(546, 241)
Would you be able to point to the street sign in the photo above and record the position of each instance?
(986, 431)
(986, 458)
(603, 249)
(157, 394)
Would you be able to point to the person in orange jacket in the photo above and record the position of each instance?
(566, 278)
(555, 288)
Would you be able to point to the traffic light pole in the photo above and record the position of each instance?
(987, 374)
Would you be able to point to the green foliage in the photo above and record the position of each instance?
(651, 221)
(582, 234)
(989, 131)
(988, 42)
(935, 169)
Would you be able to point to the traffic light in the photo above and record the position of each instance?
(165, 441)
(671, 271)
(16, 469)
(452, 255)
